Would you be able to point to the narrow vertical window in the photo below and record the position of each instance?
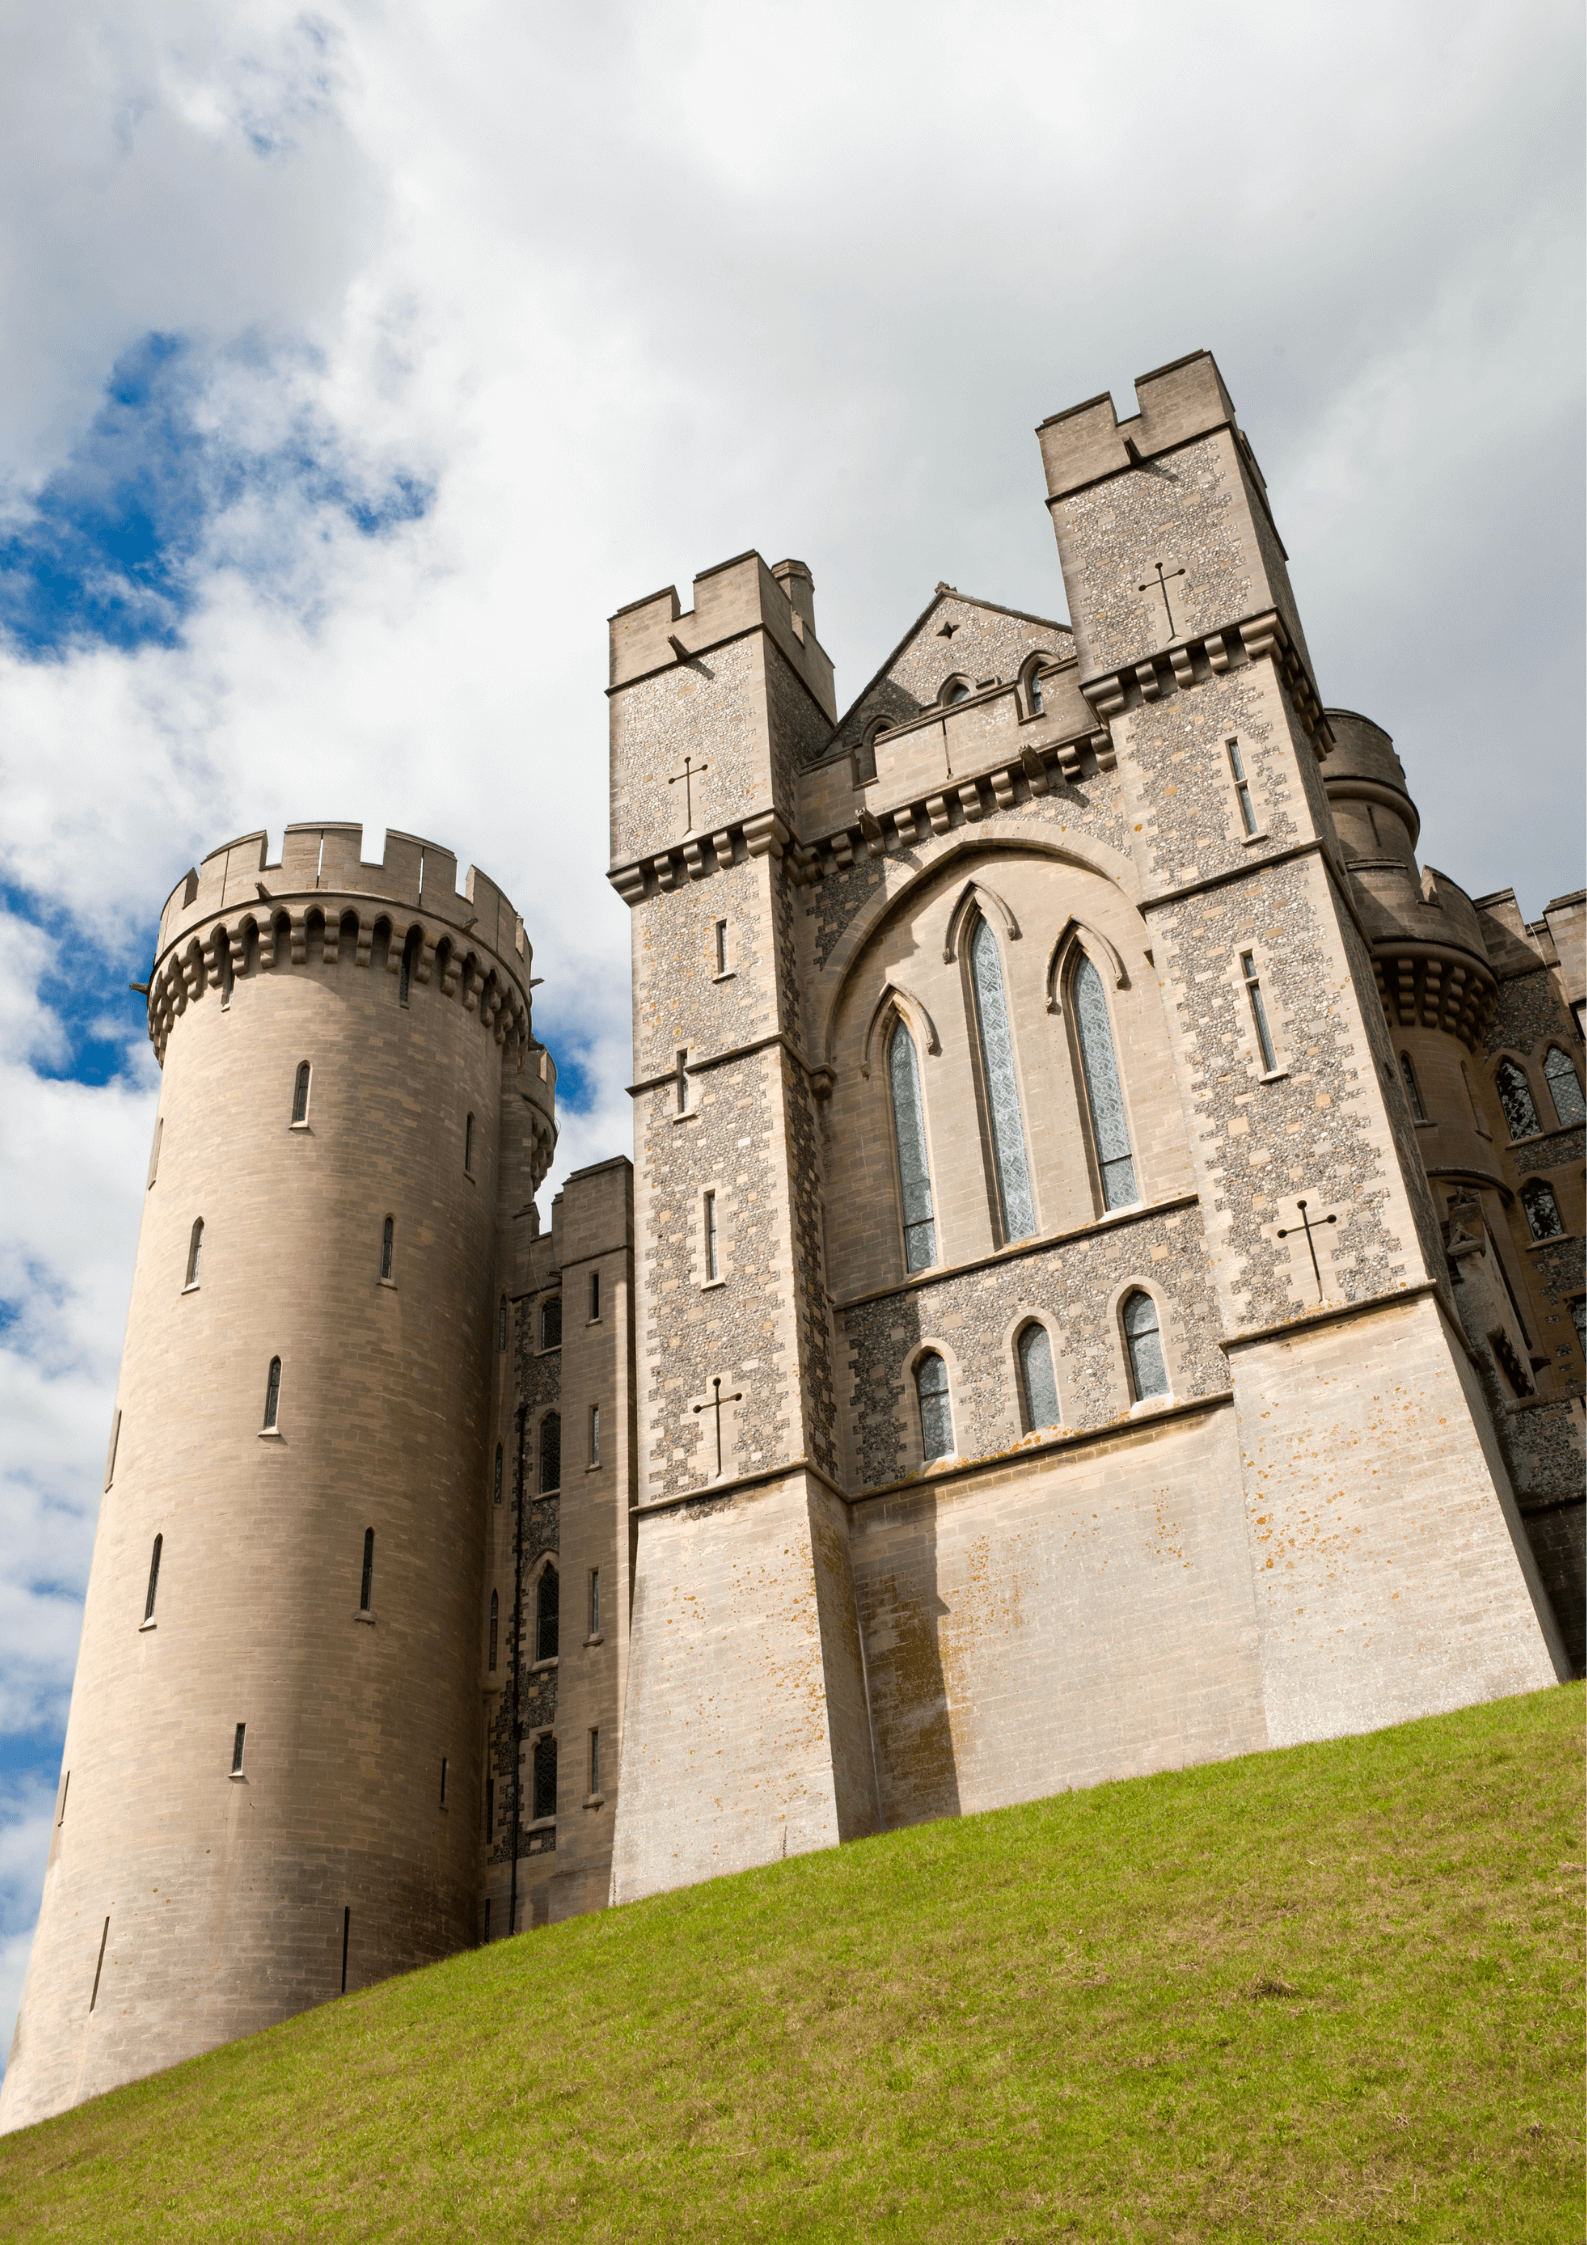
(551, 1323)
(468, 1144)
(110, 1455)
(443, 1781)
(1253, 991)
(496, 1485)
(154, 1578)
(721, 947)
(154, 1150)
(490, 1832)
(1515, 1097)
(67, 1778)
(100, 1966)
(495, 1611)
(410, 953)
(1099, 1064)
(366, 1583)
(1037, 1380)
(272, 1395)
(1372, 821)
(1542, 1210)
(546, 1595)
(909, 1137)
(1143, 1339)
(227, 974)
(388, 1246)
(1016, 1207)
(236, 1749)
(1564, 1087)
(709, 1228)
(864, 760)
(681, 1077)
(595, 1601)
(595, 1434)
(595, 1762)
(347, 1934)
(545, 1779)
(1033, 694)
(550, 1453)
(195, 1251)
(595, 1297)
(1413, 1090)
(1242, 787)
(501, 1325)
(1578, 1318)
(936, 1411)
(300, 1093)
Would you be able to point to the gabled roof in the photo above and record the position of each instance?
(954, 633)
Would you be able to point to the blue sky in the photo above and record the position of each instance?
(359, 363)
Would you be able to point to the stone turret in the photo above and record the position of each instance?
(273, 1773)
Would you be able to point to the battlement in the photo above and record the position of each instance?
(1175, 403)
(327, 858)
(733, 598)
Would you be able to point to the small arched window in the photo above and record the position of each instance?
(550, 1453)
(273, 1394)
(865, 758)
(300, 1094)
(544, 1800)
(1038, 1386)
(495, 1609)
(195, 1251)
(388, 1246)
(496, 1488)
(547, 1591)
(1034, 705)
(154, 1578)
(1110, 1132)
(410, 959)
(1542, 1210)
(366, 1581)
(1515, 1097)
(551, 1323)
(1144, 1340)
(501, 1324)
(956, 690)
(936, 1409)
(1413, 1090)
(1564, 1087)
(1016, 1206)
(468, 1144)
(909, 1136)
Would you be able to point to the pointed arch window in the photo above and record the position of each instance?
(1413, 1090)
(388, 1246)
(1542, 1210)
(195, 1251)
(1515, 1097)
(547, 1594)
(1564, 1087)
(1038, 1383)
(1110, 1133)
(300, 1093)
(1143, 1338)
(909, 1136)
(1035, 706)
(956, 690)
(154, 1578)
(550, 1453)
(936, 1407)
(495, 1615)
(544, 1800)
(1016, 1206)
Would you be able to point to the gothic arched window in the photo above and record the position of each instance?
(1542, 1210)
(956, 690)
(1110, 1132)
(547, 1592)
(1515, 1097)
(936, 1410)
(1144, 1340)
(1034, 705)
(1039, 1387)
(550, 1452)
(544, 1800)
(909, 1136)
(1016, 1207)
(1564, 1087)
(195, 1250)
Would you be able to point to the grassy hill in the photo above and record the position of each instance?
(1331, 1993)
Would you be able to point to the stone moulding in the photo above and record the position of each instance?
(1116, 1220)
(1189, 662)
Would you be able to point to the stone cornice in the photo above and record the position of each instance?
(1336, 1314)
(1190, 662)
(820, 1078)
(1117, 1220)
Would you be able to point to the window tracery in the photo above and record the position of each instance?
(1564, 1087)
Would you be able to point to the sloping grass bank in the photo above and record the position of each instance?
(1331, 1993)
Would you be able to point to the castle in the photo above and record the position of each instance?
(1099, 1287)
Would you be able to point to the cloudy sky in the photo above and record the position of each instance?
(358, 360)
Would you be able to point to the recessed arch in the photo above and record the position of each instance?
(1074, 936)
(976, 897)
(896, 999)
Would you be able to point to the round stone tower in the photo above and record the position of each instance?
(272, 1786)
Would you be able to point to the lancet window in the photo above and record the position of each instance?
(1110, 1132)
(909, 1136)
(1038, 1385)
(1143, 1338)
(300, 1094)
(1016, 1205)
(1564, 1087)
(936, 1408)
(1515, 1097)
(1542, 1210)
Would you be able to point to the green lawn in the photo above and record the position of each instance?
(1329, 1993)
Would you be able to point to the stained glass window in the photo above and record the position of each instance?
(1515, 1097)
(909, 1130)
(1016, 1205)
(1109, 1130)
(1148, 1372)
(1542, 1210)
(1565, 1086)
(936, 1412)
(1036, 1376)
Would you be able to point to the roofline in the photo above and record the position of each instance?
(942, 593)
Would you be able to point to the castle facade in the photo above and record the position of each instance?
(1099, 1287)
